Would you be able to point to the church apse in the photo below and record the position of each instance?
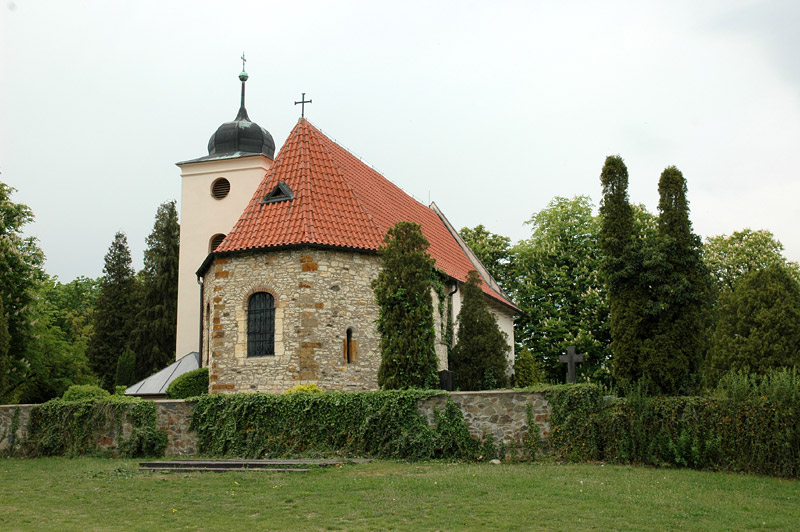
(322, 302)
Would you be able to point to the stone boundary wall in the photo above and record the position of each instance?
(171, 415)
(7, 413)
(503, 414)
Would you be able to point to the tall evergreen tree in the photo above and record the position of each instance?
(621, 266)
(679, 291)
(405, 310)
(479, 358)
(114, 312)
(153, 338)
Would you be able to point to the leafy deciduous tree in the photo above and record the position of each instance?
(20, 272)
(555, 280)
(478, 359)
(405, 316)
(732, 257)
(493, 250)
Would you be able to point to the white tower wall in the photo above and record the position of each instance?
(202, 217)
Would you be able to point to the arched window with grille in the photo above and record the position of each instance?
(261, 325)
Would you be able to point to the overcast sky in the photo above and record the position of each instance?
(490, 109)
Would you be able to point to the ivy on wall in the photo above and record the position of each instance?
(73, 428)
(383, 424)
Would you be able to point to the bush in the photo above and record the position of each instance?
(190, 384)
(304, 388)
(527, 371)
(82, 392)
(751, 424)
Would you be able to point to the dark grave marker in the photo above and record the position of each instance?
(570, 359)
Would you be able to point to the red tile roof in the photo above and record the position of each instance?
(338, 201)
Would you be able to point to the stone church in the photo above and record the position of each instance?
(278, 253)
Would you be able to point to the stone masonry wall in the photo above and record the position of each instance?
(7, 413)
(171, 415)
(174, 416)
(319, 294)
(499, 413)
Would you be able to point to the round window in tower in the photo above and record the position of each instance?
(220, 188)
(215, 241)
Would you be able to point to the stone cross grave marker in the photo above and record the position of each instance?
(570, 359)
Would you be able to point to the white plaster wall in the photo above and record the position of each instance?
(202, 217)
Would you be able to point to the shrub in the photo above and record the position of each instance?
(190, 384)
(752, 424)
(82, 392)
(304, 388)
(527, 371)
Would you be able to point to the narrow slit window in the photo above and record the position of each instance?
(350, 347)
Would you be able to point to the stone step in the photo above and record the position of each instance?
(239, 465)
(224, 469)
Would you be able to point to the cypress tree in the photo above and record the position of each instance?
(478, 359)
(679, 285)
(126, 368)
(620, 267)
(114, 312)
(153, 338)
(405, 310)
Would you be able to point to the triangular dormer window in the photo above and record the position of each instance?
(281, 192)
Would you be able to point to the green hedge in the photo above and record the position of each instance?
(73, 428)
(756, 432)
(190, 384)
(382, 424)
(79, 392)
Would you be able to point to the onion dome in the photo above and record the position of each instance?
(242, 136)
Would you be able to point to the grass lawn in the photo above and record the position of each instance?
(110, 494)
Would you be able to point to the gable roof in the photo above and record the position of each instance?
(318, 193)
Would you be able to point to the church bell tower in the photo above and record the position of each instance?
(215, 189)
